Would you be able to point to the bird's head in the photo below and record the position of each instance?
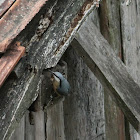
(56, 76)
(60, 83)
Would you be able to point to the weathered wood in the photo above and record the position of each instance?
(4, 6)
(15, 102)
(40, 55)
(55, 116)
(55, 122)
(84, 108)
(130, 23)
(38, 118)
(29, 129)
(110, 28)
(45, 51)
(15, 20)
(8, 61)
(39, 125)
(109, 69)
(19, 133)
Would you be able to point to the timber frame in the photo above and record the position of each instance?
(90, 45)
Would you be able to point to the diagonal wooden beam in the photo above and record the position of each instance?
(9, 60)
(15, 101)
(16, 95)
(112, 73)
(16, 17)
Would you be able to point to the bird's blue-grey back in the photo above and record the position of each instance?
(64, 88)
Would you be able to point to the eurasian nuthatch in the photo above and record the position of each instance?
(60, 84)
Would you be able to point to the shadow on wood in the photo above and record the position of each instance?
(100, 58)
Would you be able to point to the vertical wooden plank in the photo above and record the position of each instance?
(110, 28)
(38, 116)
(29, 129)
(55, 116)
(84, 108)
(39, 125)
(55, 122)
(130, 23)
(9, 29)
(19, 133)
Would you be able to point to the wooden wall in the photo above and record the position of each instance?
(79, 117)
(88, 113)
(130, 23)
(111, 30)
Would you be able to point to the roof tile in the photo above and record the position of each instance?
(9, 60)
(16, 18)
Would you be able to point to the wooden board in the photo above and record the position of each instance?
(55, 122)
(14, 103)
(109, 69)
(39, 125)
(130, 23)
(18, 94)
(5, 5)
(29, 129)
(84, 108)
(8, 61)
(16, 18)
(19, 133)
(55, 128)
(111, 30)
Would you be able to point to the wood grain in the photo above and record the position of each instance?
(55, 122)
(8, 61)
(15, 20)
(18, 94)
(84, 109)
(39, 125)
(111, 30)
(20, 131)
(4, 6)
(130, 23)
(109, 69)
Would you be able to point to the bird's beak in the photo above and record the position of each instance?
(50, 71)
(52, 77)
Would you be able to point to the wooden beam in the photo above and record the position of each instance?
(15, 101)
(16, 18)
(98, 55)
(111, 30)
(9, 61)
(18, 94)
(131, 49)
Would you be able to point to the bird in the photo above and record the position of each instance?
(60, 84)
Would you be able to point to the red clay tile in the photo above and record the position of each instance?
(16, 18)
(5, 5)
(9, 60)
